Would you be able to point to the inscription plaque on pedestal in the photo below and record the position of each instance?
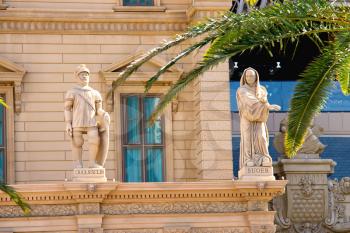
(256, 173)
(89, 175)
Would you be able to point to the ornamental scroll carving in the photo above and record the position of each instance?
(174, 208)
(305, 184)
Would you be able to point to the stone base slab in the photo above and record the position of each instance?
(256, 173)
(89, 175)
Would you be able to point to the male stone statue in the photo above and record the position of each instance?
(84, 115)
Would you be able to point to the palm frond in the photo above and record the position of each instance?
(310, 96)
(183, 81)
(192, 32)
(16, 198)
(343, 53)
(172, 62)
(3, 103)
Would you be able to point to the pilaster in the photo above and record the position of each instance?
(213, 125)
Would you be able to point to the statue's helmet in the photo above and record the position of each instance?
(81, 68)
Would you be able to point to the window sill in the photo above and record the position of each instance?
(139, 9)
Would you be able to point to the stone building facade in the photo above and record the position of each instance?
(41, 43)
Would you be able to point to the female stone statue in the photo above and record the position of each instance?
(253, 111)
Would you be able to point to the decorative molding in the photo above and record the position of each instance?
(80, 27)
(112, 192)
(158, 20)
(174, 208)
(11, 73)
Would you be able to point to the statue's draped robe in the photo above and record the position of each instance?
(254, 134)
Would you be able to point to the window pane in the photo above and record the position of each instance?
(1, 125)
(153, 134)
(132, 165)
(133, 120)
(138, 3)
(2, 166)
(154, 165)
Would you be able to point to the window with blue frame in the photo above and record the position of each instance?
(138, 2)
(2, 146)
(143, 144)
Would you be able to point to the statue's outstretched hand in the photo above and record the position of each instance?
(274, 107)
(69, 129)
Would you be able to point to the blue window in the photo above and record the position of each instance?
(281, 92)
(143, 144)
(2, 145)
(138, 3)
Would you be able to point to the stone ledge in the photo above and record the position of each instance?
(112, 192)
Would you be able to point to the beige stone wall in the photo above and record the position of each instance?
(42, 149)
(50, 49)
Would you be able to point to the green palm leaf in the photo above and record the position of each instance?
(343, 54)
(192, 32)
(312, 92)
(16, 198)
(172, 62)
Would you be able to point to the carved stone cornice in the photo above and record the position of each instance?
(119, 20)
(111, 192)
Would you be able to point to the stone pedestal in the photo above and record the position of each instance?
(89, 175)
(256, 173)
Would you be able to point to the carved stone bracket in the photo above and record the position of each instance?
(12, 74)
